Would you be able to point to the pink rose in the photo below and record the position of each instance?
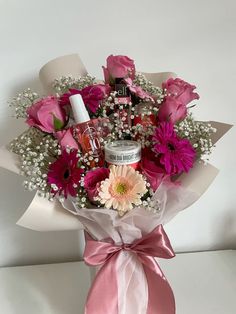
(47, 115)
(66, 139)
(172, 110)
(119, 67)
(152, 170)
(93, 179)
(92, 96)
(179, 95)
(180, 90)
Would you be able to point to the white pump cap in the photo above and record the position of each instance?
(79, 110)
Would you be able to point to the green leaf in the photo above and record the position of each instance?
(58, 124)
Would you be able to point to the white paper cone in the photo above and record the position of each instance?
(43, 215)
(158, 78)
(61, 66)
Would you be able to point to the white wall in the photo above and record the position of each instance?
(195, 39)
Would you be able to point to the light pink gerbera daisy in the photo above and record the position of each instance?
(174, 153)
(122, 189)
(64, 175)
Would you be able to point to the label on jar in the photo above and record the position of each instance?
(123, 152)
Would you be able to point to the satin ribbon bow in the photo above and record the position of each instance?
(103, 295)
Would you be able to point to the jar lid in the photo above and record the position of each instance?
(123, 152)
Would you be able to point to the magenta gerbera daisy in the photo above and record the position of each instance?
(64, 175)
(175, 154)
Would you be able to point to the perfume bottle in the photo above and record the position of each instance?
(123, 102)
(122, 92)
(85, 134)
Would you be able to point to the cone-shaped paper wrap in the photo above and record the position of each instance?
(62, 66)
(43, 215)
(158, 78)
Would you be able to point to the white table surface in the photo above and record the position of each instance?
(203, 283)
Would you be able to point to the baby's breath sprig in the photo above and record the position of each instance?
(81, 200)
(151, 205)
(64, 83)
(120, 117)
(37, 151)
(142, 134)
(148, 201)
(149, 87)
(198, 133)
(108, 105)
(22, 101)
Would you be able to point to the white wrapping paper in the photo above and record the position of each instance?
(105, 223)
(61, 66)
(42, 215)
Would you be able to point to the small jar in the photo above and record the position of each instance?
(123, 153)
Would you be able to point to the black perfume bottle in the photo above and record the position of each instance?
(123, 93)
(123, 106)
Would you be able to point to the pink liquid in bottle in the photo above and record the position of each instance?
(85, 133)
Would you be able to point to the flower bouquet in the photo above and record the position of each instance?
(118, 158)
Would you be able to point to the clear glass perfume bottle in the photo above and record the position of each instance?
(85, 133)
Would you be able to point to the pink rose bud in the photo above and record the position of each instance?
(47, 115)
(172, 110)
(119, 67)
(66, 139)
(179, 95)
(93, 179)
(180, 90)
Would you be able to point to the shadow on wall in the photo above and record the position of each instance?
(226, 238)
(11, 127)
(20, 246)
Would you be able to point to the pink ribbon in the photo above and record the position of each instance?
(103, 295)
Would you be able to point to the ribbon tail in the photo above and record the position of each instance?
(103, 295)
(161, 298)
